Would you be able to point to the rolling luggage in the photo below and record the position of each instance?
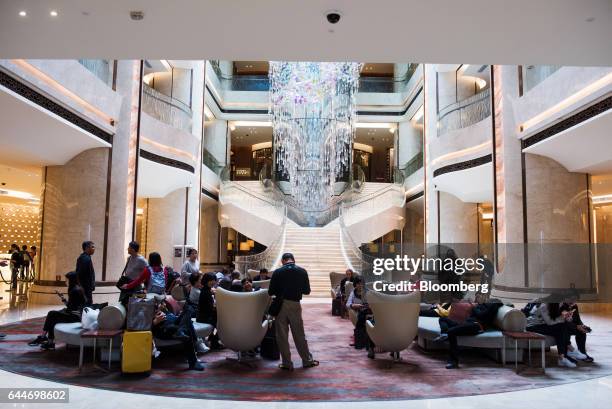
(136, 352)
(269, 347)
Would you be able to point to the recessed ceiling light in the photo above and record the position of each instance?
(23, 13)
(53, 13)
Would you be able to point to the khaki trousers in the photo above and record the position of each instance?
(291, 316)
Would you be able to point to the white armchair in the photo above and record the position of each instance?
(239, 319)
(261, 284)
(252, 273)
(334, 279)
(396, 319)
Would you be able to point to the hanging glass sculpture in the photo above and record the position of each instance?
(312, 106)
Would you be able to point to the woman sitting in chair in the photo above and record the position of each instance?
(207, 310)
(357, 303)
(72, 313)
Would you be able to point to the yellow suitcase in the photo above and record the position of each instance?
(136, 352)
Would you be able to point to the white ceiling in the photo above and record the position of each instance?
(30, 135)
(442, 31)
(22, 178)
(157, 180)
(601, 184)
(473, 185)
(585, 148)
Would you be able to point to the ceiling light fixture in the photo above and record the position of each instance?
(23, 13)
(136, 15)
(53, 13)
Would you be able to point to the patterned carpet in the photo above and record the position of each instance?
(345, 374)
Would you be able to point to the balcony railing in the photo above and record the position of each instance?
(534, 74)
(211, 162)
(465, 113)
(251, 83)
(386, 84)
(166, 109)
(413, 165)
(262, 82)
(101, 68)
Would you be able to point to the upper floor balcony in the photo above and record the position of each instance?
(465, 113)
(239, 96)
(166, 109)
(565, 114)
(55, 109)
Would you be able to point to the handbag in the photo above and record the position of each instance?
(140, 314)
(123, 279)
(275, 306)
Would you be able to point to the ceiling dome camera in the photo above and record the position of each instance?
(333, 17)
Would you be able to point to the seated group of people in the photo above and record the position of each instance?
(142, 276)
(559, 320)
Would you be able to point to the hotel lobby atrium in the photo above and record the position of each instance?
(370, 144)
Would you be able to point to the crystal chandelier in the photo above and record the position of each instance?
(312, 106)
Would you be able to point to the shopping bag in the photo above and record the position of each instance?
(140, 314)
(89, 318)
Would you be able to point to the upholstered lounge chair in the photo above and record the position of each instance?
(240, 321)
(334, 279)
(395, 322)
(261, 284)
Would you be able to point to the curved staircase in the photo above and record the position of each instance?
(250, 209)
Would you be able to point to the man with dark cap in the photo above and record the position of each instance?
(289, 283)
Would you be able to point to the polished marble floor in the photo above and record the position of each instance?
(594, 393)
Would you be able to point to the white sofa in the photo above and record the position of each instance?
(507, 319)
(113, 317)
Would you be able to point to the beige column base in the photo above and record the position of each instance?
(45, 294)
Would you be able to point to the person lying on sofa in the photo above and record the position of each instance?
(465, 319)
(72, 313)
(166, 325)
(435, 310)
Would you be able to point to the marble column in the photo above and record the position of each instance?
(458, 225)
(210, 253)
(72, 214)
(195, 190)
(429, 138)
(541, 211)
(410, 142)
(166, 224)
(123, 172)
